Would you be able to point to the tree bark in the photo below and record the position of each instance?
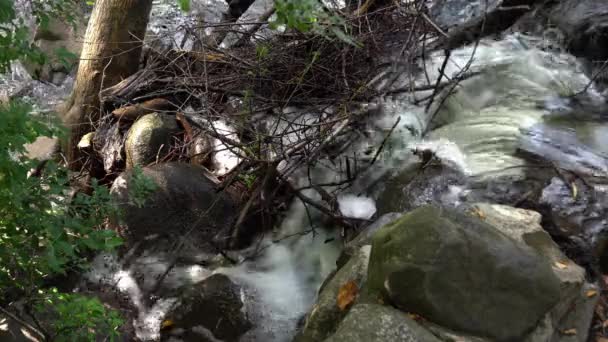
(110, 52)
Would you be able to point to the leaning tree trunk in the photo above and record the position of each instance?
(110, 52)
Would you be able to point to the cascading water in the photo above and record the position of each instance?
(477, 134)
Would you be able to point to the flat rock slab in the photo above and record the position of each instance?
(377, 323)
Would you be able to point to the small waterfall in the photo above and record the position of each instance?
(476, 133)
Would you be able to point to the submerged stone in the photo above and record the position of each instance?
(213, 306)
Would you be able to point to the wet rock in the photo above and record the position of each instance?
(586, 26)
(419, 262)
(186, 201)
(325, 316)
(564, 149)
(149, 137)
(47, 98)
(485, 119)
(431, 184)
(449, 13)
(467, 20)
(255, 13)
(170, 27)
(575, 307)
(376, 323)
(15, 84)
(215, 305)
(574, 200)
(581, 215)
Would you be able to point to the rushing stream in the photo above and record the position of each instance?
(476, 134)
(518, 100)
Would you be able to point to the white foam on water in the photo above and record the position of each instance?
(446, 151)
(224, 158)
(283, 282)
(358, 207)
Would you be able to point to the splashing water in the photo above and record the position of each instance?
(477, 131)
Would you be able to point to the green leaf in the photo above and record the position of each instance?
(184, 5)
(113, 242)
(7, 12)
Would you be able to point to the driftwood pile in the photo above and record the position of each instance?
(290, 99)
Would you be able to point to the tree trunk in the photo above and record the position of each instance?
(110, 52)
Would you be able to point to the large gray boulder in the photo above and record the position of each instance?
(185, 201)
(377, 323)
(585, 23)
(461, 273)
(149, 137)
(466, 20)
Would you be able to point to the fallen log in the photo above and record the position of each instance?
(133, 112)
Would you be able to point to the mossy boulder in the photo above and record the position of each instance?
(149, 137)
(460, 272)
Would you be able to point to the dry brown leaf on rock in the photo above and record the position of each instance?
(475, 211)
(347, 294)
